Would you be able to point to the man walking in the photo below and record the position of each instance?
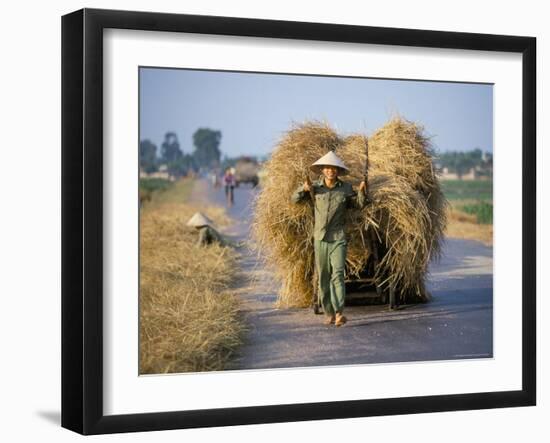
(331, 199)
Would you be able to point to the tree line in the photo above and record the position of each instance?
(206, 153)
(461, 162)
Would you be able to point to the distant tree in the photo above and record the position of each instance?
(182, 166)
(461, 162)
(170, 149)
(464, 163)
(228, 162)
(476, 155)
(147, 156)
(207, 152)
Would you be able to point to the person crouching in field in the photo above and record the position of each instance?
(331, 197)
(207, 234)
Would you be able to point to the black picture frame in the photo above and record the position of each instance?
(82, 218)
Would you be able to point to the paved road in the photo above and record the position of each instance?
(457, 324)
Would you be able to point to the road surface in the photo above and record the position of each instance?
(456, 324)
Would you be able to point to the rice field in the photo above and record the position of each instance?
(468, 189)
(154, 184)
(482, 210)
(471, 209)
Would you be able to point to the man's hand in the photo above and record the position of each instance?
(307, 185)
(362, 186)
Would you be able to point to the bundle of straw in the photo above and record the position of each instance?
(407, 213)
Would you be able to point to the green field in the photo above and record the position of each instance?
(482, 210)
(472, 197)
(154, 184)
(481, 190)
(164, 191)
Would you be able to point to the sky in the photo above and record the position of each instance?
(253, 110)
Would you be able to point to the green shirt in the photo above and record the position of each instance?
(330, 207)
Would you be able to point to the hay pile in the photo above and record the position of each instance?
(189, 320)
(407, 215)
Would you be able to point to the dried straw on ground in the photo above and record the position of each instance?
(407, 215)
(188, 318)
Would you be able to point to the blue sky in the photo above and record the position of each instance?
(254, 110)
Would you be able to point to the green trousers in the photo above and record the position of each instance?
(330, 259)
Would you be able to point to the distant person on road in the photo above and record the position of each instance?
(229, 183)
(215, 179)
(331, 199)
(207, 234)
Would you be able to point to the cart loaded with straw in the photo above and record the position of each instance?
(390, 242)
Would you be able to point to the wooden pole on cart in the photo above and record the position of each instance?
(372, 237)
(316, 304)
(374, 250)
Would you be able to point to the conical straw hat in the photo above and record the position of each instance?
(329, 159)
(198, 220)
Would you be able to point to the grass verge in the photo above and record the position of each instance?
(460, 224)
(189, 320)
(481, 209)
(470, 213)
